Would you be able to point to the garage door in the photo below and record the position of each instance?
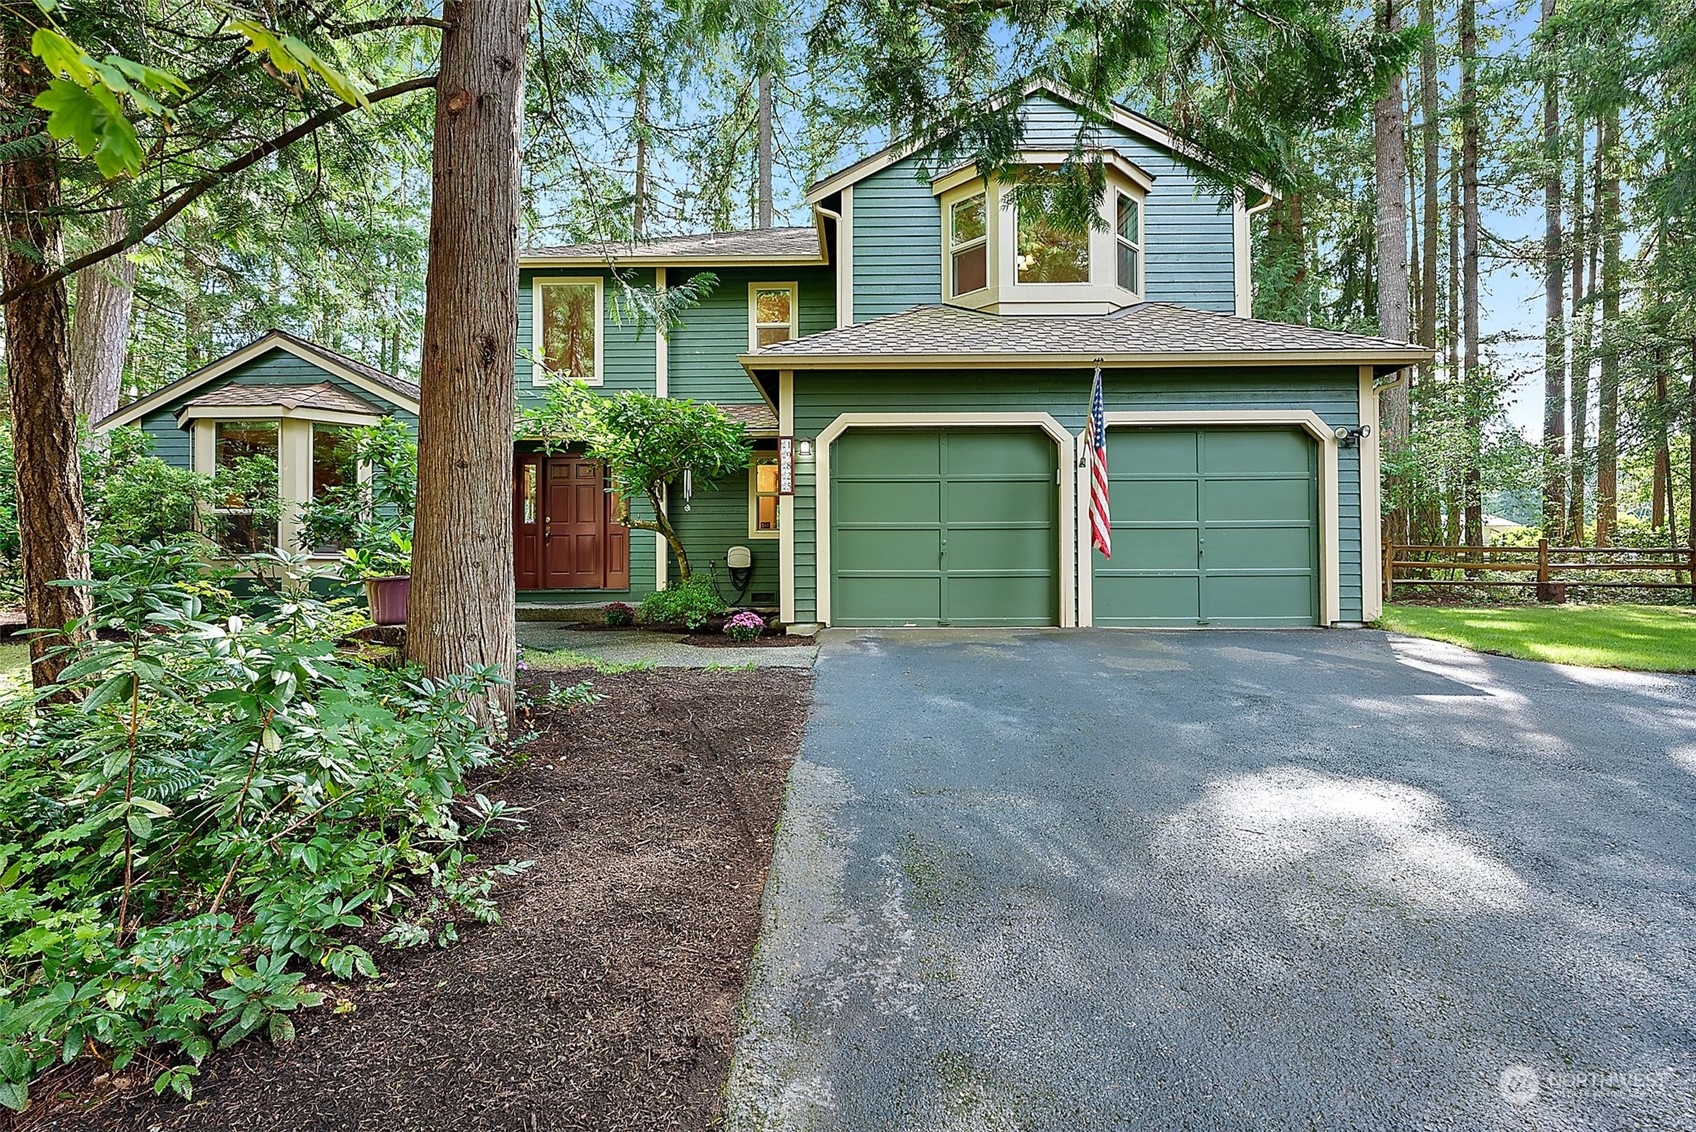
(1211, 527)
(955, 527)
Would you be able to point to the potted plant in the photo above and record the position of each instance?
(385, 568)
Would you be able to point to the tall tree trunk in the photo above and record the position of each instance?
(1389, 133)
(765, 178)
(101, 329)
(1583, 253)
(52, 526)
(1554, 299)
(639, 210)
(1429, 173)
(461, 605)
(1661, 486)
(1608, 229)
(1473, 388)
(1452, 335)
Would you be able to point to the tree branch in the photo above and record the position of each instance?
(206, 183)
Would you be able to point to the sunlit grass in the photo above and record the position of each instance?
(1649, 638)
(560, 659)
(14, 667)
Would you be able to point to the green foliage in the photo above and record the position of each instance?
(570, 696)
(690, 603)
(370, 519)
(217, 800)
(647, 442)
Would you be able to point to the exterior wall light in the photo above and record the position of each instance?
(804, 449)
(1351, 437)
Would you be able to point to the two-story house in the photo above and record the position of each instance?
(914, 368)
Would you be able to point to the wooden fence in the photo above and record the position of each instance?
(1549, 568)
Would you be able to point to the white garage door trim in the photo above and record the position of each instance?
(1330, 580)
(1067, 488)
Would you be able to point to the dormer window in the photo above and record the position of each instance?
(968, 245)
(1127, 240)
(1047, 252)
(1005, 251)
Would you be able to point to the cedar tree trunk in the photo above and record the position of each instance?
(1578, 391)
(764, 148)
(1608, 229)
(1389, 134)
(461, 605)
(1473, 391)
(101, 329)
(52, 525)
(1554, 299)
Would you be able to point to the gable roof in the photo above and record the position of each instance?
(1122, 116)
(755, 246)
(394, 390)
(1142, 334)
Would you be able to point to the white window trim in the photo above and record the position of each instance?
(950, 248)
(540, 375)
(754, 324)
(1139, 243)
(1090, 252)
(294, 468)
(754, 497)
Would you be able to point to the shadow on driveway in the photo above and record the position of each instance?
(1081, 879)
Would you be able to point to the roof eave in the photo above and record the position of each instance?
(1385, 359)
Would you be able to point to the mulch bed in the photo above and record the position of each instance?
(607, 998)
(764, 641)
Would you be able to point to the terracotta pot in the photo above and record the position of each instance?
(386, 598)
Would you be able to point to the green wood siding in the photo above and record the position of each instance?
(1331, 393)
(1212, 527)
(1189, 241)
(945, 527)
(703, 351)
(716, 520)
(279, 367)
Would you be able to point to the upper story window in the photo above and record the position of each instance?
(1005, 250)
(772, 315)
(1127, 242)
(1047, 252)
(566, 314)
(968, 245)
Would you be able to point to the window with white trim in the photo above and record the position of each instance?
(1127, 243)
(1048, 252)
(245, 519)
(771, 314)
(763, 496)
(968, 245)
(567, 329)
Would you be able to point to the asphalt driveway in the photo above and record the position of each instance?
(1063, 879)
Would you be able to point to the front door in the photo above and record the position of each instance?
(566, 535)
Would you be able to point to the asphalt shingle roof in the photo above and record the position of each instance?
(756, 243)
(371, 373)
(322, 395)
(1142, 328)
(756, 418)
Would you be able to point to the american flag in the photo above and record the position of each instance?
(1100, 519)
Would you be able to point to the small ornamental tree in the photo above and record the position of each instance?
(646, 442)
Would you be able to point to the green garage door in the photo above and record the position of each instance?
(956, 527)
(1211, 527)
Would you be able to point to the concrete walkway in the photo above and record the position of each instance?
(656, 649)
(1074, 879)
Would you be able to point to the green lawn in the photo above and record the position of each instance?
(1650, 638)
(14, 666)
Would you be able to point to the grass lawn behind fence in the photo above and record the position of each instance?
(1649, 638)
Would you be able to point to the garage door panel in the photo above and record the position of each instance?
(1148, 452)
(887, 454)
(881, 600)
(889, 549)
(1266, 599)
(1165, 501)
(1000, 599)
(1000, 454)
(971, 550)
(1250, 451)
(1146, 600)
(909, 501)
(1235, 500)
(1268, 547)
(1153, 548)
(978, 501)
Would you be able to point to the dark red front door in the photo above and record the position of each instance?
(566, 535)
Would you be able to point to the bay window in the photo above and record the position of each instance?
(968, 245)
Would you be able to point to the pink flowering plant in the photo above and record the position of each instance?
(744, 626)
(618, 613)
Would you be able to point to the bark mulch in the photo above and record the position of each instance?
(607, 997)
